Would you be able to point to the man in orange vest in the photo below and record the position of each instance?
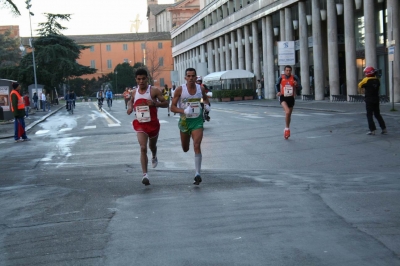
(286, 89)
(18, 110)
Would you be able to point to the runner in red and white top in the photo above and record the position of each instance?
(144, 102)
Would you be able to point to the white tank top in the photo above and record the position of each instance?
(146, 95)
(187, 99)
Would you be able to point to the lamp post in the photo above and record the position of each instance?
(116, 82)
(28, 6)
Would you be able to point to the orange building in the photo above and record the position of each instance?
(154, 49)
(14, 29)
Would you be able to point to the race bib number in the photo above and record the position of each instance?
(143, 114)
(288, 91)
(195, 109)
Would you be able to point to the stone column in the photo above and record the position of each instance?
(288, 24)
(216, 56)
(350, 48)
(240, 49)
(394, 34)
(317, 51)
(303, 39)
(234, 51)
(210, 58)
(370, 37)
(228, 59)
(269, 61)
(247, 49)
(221, 53)
(256, 50)
(202, 53)
(334, 79)
(282, 32)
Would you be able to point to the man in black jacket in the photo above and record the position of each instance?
(371, 85)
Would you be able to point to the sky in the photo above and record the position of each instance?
(87, 16)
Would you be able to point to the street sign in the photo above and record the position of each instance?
(286, 53)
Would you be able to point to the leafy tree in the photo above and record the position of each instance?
(126, 77)
(55, 55)
(10, 5)
(10, 55)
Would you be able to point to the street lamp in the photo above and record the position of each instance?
(28, 6)
(116, 81)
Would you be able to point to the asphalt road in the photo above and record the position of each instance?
(327, 196)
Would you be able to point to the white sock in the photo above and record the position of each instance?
(197, 162)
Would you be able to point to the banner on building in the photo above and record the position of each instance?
(4, 98)
(286, 53)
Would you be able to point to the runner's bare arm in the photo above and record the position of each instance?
(130, 105)
(174, 104)
(156, 93)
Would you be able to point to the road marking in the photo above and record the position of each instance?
(251, 116)
(89, 127)
(276, 115)
(65, 129)
(163, 121)
(300, 115)
(114, 125)
(39, 132)
(320, 114)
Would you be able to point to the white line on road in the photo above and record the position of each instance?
(89, 127)
(114, 125)
(64, 129)
(39, 132)
(163, 121)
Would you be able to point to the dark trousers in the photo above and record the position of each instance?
(19, 128)
(373, 110)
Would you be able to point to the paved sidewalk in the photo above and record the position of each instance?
(35, 117)
(7, 128)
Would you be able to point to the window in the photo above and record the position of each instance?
(162, 82)
(143, 45)
(92, 63)
(109, 63)
(126, 60)
(161, 61)
(92, 48)
(125, 47)
(108, 47)
(160, 45)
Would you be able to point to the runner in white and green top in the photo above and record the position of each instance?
(186, 102)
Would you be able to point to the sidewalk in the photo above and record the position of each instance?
(7, 128)
(35, 117)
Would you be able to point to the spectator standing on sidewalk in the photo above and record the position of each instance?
(370, 84)
(18, 110)
(27, 104)
(48, 102)
(43, 101)
(35, 99)
(259, 91)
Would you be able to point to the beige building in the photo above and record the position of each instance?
(333, 42)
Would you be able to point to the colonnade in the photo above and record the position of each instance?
(251, 47)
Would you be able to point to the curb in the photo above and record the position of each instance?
(34, 123)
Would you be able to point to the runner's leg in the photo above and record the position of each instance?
(185, 141)
(142, 139)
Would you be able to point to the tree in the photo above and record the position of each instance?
(10, 5)
(125, 76)
(55, 55)
(10, 55)
(154, 62)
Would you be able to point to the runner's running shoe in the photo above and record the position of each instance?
(145, 180)
(384, 131)
(371, 132)
(197, 180)
(154, 162)
(286, 133)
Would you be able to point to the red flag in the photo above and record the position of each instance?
(21, 130)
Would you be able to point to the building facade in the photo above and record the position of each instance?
(334, 41)
(109, 50)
